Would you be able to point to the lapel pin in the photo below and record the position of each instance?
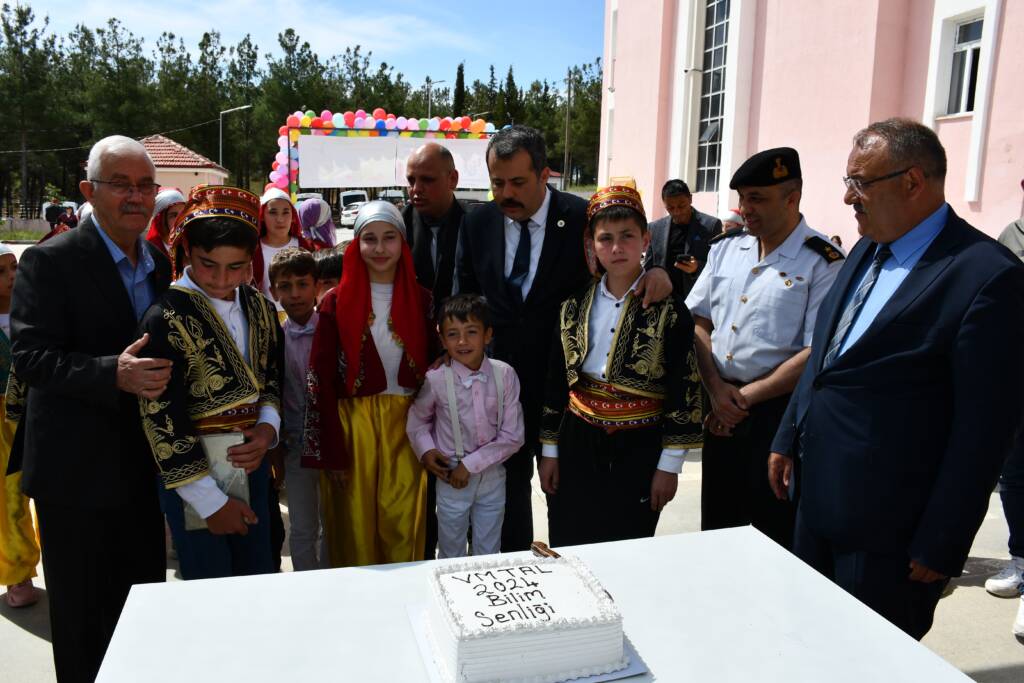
(560, 223)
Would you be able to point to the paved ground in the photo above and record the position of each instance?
(972, 628)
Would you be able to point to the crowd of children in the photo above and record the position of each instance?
(322, 370)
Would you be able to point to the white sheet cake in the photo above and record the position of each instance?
(536, 620)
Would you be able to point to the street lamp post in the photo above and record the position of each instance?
(220, 136)
(430, 89)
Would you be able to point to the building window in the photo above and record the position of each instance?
(712, 95)
(964, 76)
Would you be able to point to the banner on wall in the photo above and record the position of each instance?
(331, 161)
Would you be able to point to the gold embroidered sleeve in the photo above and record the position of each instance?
(683, 419)
(165, 420)
(556, 391)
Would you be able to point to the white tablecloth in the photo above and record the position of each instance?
(714, 606)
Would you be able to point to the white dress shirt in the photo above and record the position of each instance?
(605, 317)
(538, 221)
(203, 494)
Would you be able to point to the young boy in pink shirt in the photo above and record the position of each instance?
(465, 422)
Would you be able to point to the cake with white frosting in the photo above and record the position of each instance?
(537, 620)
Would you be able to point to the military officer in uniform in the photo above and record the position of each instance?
(754, 307)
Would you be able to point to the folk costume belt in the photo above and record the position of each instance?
(242, 417)
(605, 406)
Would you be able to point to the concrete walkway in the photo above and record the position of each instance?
(971, 631)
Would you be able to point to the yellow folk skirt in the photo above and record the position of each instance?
(379, 514)
(19, 549)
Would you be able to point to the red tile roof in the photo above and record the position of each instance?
(167, 153)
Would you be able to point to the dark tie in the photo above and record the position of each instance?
(521, 262)
(856, 303)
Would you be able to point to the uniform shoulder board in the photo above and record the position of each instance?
(726, 235)
(823, 248)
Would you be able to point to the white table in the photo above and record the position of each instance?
(714, 606)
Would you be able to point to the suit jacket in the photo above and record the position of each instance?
(702, 228)
(442, 283)
(70, 319)
(523, 333)
(903, 437)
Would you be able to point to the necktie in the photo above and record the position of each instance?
(521, 262)
(856, 303)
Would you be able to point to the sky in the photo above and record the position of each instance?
(538, 38)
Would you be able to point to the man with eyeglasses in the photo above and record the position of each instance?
(75, 310)
(911, 398)
(754, 307)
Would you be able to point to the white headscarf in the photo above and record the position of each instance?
(379, 211)
(274, 193)
(4, 250)
(166, 197)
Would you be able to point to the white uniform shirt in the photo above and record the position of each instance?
(762, 310)
(203, 493)
(538, 221)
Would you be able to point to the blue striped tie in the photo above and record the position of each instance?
(856, 303)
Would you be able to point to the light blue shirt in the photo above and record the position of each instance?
(906, 252)
(135, 278)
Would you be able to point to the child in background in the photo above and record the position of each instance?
(19, 551)
(370, 354)
(166, 209)
(328, 270)
(279, 228)
(623, 400)
(225, 344)
(465, 422)
(317, 225)
(292, 283)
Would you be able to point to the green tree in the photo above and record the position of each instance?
(459, 98)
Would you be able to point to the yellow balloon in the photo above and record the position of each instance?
(306, 121)
(293, 134)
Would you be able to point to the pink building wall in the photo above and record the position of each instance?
(820, 72)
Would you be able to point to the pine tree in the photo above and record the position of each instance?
(459, 97)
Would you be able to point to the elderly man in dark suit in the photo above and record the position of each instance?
(911, 398)
(680, 241)
(524, 252)
(76, 305)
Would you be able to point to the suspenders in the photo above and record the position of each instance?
(453, 407)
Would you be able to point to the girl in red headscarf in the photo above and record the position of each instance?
(279, 228)
(367, 362)
(166, 209)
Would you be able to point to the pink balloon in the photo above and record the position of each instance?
(360, 113)
(282, 181)
(326, 114)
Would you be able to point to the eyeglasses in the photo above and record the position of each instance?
(120, 187)
(858, 185)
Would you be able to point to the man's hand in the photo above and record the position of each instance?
(443, 359)
(654, 286)
(547, 469)
(145, 377)
(714, 425)
(459, 477)
(436, 463)
(663, 489)
(729, 403)
(689, 267)
(234, 517)
(919, 572)
(276, 456)
(780, 469)
(249, 455)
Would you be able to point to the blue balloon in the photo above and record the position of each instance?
(381, 125)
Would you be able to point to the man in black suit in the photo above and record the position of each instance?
(680, 241)
(433, 221)
(524, 253)
(433, 218)
(76, 305)
(911, 398)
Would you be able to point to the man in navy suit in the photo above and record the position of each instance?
(911, 398)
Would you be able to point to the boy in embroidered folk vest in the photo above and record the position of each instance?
(622, 405)
(465, 422)
(209, 431)
(370, 352)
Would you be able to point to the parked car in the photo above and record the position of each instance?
(348, 214)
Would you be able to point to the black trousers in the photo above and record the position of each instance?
(734, 478)
(879, 581)
(430, 545)
(91, 559)
(517, 527)
(604, 484)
